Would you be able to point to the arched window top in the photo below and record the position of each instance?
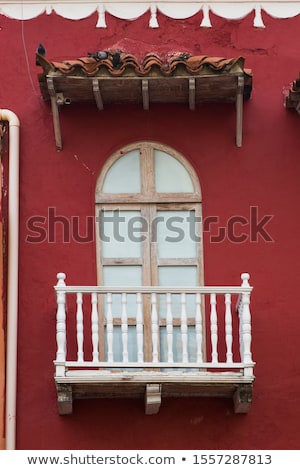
(148, 172)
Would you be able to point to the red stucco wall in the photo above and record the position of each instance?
(265, 173)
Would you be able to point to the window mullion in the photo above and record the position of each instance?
(147, 170)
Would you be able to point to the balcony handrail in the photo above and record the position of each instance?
(154, 289)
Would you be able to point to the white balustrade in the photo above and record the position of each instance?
(199, 329)
(124, 327)
(184, 329)
(228, 327)
(183, 323)
(245, 325)
(214, 328)
(61, 325)
(169, 328)
(154, 325)
(139, 328)
(95, 328)
(109, 328)
(79, 318)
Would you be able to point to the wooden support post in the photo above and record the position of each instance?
(145, 94)
(192, 93)
(242, 398)
(55, 114)
(152, 399)
(64, 399)
(97, 94)
(239, 111)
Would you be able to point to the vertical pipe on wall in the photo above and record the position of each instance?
(2, 353)
(12, 276)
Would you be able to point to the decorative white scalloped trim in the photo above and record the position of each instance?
(132, 9)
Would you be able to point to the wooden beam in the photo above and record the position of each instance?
(152, 399)
(239, 110)
(192, 93)
(64, 399)
(97, 94)
(55, 113)
(145, 94)
(242, 398)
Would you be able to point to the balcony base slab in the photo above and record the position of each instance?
(152, 393)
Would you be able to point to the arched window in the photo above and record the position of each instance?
(148, 212)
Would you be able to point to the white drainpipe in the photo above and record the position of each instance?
(12, 276)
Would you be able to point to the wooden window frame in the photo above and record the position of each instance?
(148, 202)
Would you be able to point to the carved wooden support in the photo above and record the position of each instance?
(145, 94)
(239, 111)
(97, 94)
(55, 112)
(152, 399)
(64, 399)
(242, 398)
(192, 93)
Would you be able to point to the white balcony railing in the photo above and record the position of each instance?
(197, 336)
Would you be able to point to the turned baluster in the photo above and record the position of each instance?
(95, 327)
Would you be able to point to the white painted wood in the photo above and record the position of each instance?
(79, 326)
(184, 329)
(206, 19)
(101, 23)
(139, 328)
(152, 398)
(245, 321)
(228, 327)
(95, 328)
(161, 365)
(169, 329)
(109, 328)
(157, 289)
(131, 10)
(213, 328)
(154, 326)
(124, 327)
(61, 325)
(153, 20)
(169, 321)
(199, 333)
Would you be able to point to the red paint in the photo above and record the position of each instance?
(265, 173)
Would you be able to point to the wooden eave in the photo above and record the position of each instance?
(181, 86)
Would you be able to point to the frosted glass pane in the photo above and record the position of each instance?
(121, 233)
(177, 276)
(122, 276)
(177, 344)
(176, 234)
(124, 175)
(170, 175)
(118, 346)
